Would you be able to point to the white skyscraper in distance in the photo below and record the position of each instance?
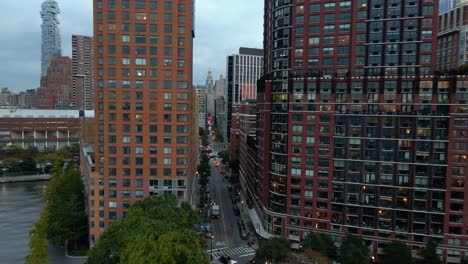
(50, 34)
(243, 71)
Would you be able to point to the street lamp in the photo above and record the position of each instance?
(211, 253)
(242, 206)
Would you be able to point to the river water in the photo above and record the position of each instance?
(20, 207)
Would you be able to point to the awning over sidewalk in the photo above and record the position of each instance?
(258, 225)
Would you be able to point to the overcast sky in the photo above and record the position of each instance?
(222, 26)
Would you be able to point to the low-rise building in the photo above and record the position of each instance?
(44, 129)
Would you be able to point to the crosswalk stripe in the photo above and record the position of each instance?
(246, 255)
(216, 249)
(225, 251)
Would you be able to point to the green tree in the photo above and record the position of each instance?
(354, 251)
(155, 230)
(65, 205)
(429, 254)
(275, 249)
(169, 248)
(224, 156)
(38, 241)
(322, 243)
(462, 70)
(219, 136)
(396, 252)
(203, 133)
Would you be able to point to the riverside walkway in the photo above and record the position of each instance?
(25, 178)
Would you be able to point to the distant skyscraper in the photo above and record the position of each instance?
(452, 48)
(82, 72)
(220, 105)
(50, 34)
(201, 105)
(210, 95)
(55, 90)
(220, 87)
(243, 71)
(446, 5)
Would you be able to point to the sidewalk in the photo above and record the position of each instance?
(25, 178)
(245, 217)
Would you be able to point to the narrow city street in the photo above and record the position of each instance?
(227, 239)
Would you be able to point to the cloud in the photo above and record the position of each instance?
(222, 26)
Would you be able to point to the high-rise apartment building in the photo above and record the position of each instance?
(56, 85)
(452, 48)
(82, 96)
(209, 95)
(201, 98)
(145, 138)
(243, 71)
(354, 134)
(50, 34)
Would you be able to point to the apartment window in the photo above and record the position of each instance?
(140, 27)
(140, 16)
(125, 27)
(167, 17)
(125, 50)
(167, 6)
(314, 8)
(329, 28)
(295, 171)
(140, 39)
(329, 6)
(140, 72)
(140, 4)
(329, 17)
(125, 15)
(140, 61)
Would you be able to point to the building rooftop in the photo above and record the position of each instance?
(251, 51)
(39, 113)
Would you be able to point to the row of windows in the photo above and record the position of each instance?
(140, 149)
(152, 149)
(138, 172)
(139, 182)
(139, 161)
(139, 4)
(326, 6)
(139, 73)
(142, 16)
(139, 27)
(153, 39)
(167, 62)
(139, 95)
(142, 84)
(139, 139)
(138, 118)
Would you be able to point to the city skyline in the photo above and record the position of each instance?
(220, 31)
